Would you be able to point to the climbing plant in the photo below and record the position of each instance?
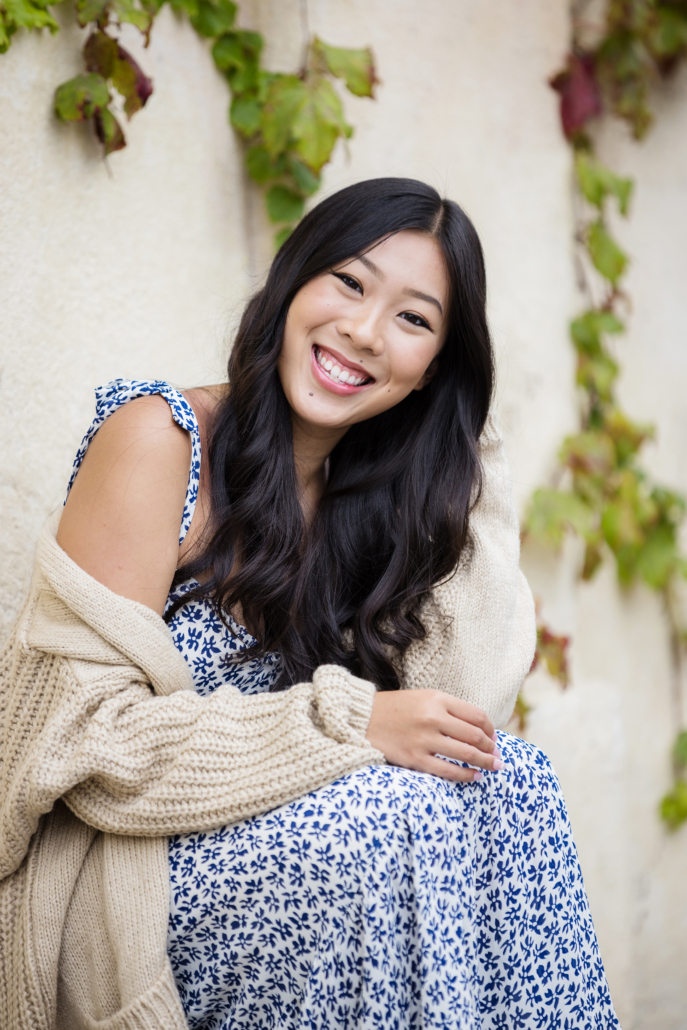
(603, 494)
(290, 123)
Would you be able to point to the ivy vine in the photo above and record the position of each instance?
(603, 495)
(290, 123)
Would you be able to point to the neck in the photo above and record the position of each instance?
(312, 445)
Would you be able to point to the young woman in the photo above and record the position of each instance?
(346, 530)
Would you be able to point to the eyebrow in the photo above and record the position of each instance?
(408, 292)
(372, 267)
(424, 296)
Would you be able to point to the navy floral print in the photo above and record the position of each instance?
(388, 900)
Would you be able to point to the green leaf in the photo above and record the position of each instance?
(281, 236)
(5, 34)
(668, 34)
(261, 167)
(100, 54)
(236, 49)
(591, 453)
(597, 182)
(109, 131)
(621, 528)
(597, 374)
(245, 78)
(245, 115)
(592, 560)
(153, 7)
(521, 711)
(214, 17)
(626, 70)
(252, 42)
(586, 331)
(680, 750)
(627, 436)
(227, 52)
(127, 11)
(552, 650)
(131, 82)
(553, 512)
(91, 10)
(283, 205)
(657, 559)
(305, 180)
(355, 67)
(189, 7)
(81, 97)
(286, 95)
(605, 253)
(674, 806)
(25, 14)
(318, 123)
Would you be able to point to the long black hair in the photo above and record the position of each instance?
(392, 522)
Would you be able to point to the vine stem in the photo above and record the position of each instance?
(677, 659)
(305, 30)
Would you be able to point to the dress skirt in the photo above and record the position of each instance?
(392, 899)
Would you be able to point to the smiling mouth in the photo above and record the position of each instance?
(337, 372)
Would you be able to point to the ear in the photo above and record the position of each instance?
(430, 372)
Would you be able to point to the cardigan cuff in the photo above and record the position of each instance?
(344, 704)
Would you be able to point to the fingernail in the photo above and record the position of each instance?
(494, 736)
(498, 764)
(476, 777)
(497, 753)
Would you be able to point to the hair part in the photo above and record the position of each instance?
(393, 519)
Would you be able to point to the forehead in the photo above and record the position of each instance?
(409, 259)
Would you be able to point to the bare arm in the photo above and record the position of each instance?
(121, 520)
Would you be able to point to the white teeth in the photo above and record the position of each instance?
(336, 373)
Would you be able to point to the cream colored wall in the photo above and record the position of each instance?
(130, 269)
(139, 275)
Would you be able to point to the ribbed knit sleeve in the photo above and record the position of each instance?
(481, 631)
(163, 765)
(80, 721)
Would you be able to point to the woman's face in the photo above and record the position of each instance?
(358, 339)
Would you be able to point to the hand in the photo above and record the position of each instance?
(412, 727)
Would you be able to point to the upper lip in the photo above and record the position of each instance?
(345, 362)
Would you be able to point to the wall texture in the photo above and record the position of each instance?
(140, 272)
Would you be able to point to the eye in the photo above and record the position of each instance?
(349, 281)
(415, 319)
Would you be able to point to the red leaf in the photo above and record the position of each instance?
(579, 92)
(144, 85)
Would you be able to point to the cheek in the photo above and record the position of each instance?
(409, 364)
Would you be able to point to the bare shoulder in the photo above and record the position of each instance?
(146, 421)
(121, 520)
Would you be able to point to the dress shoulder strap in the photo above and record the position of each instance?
(114, 395)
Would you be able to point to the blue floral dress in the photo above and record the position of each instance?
(388, 899)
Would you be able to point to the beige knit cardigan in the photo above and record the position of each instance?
(107, 749)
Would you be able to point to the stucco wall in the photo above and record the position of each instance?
(140, 274)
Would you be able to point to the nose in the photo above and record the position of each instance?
(364, 330)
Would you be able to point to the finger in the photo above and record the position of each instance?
(448, 771)
(458, 729)
(470, 713)
(462, 752)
